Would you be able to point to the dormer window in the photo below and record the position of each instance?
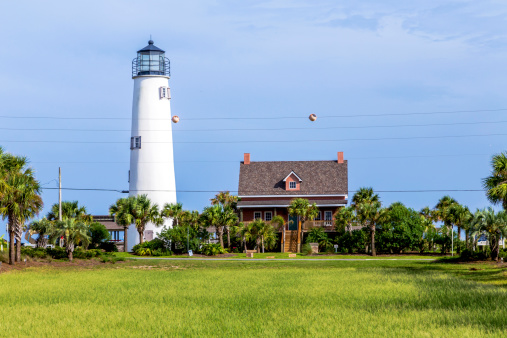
(292, 181)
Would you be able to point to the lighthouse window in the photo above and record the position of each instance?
(135, 142)
(165, 93)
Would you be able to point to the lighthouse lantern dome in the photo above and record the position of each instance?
(150, 60)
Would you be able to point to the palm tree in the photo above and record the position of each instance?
(441, 212)
(460, 216)
(279, 224)
(174, 211)
(364, 195)
(122, 211)
(20, 199)
(225, 198)
(144, 212)
(305, 211)
(247, 232)
(496, 184)
(494, 225)
(265, 234)
(370, 214)
(73, 231)
(344, 219)
(211, 216)
(43, 228)
(191, 218)
(70, 209)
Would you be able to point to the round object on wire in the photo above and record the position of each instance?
(176, 119)
(312, 117)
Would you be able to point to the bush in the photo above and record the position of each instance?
(212, 249)
(155, 247)
(57, 252)
(306, 250)
(98, 235)
(108, 247)
(469, 255)
(34, 252)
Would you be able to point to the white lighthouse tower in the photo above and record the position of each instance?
(151, 142)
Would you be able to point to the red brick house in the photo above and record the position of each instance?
(267, 188)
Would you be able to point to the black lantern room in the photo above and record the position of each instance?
(150, 60)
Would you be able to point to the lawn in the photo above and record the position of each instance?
(271, 298)
(280, 255)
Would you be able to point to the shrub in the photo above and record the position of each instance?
(469, 255)
(34, 252)
(57, 252)
(212, 249)
(98, 235)
(306, 250)
(108, 247)
(161, 252)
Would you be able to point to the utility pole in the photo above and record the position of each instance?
(59, 193)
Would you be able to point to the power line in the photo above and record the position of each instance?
(236, 191)
(258, 118)
(258, 141)
(237, 161)
(260, 129)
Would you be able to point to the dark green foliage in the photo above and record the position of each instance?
(34, 252)
(317, 235)
(352, 242)
(108, 247)
(177, 237)
(60, 253)
(401, 230)
(306, 249)
(57, 252)
(212, 249)
(98, 235)
(156, 247)
(469, 255)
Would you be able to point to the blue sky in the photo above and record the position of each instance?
(260, 59)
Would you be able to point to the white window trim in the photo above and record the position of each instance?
(257, 212)
(328, 222)
(165, 93)
(295, 185)
(268, 212)
(292, 173)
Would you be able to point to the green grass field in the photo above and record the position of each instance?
(279, 255)
(277, 298)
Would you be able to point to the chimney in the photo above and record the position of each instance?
(340, 157)
(247, 158)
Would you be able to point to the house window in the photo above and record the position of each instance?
(268, 216)
(328, 218)
(135, 142)
(165, 93)
(318, 218)
(292, 185)
(257, 215)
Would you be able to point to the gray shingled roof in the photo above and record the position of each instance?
(318, 178)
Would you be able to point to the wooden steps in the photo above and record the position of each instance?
(291, 240)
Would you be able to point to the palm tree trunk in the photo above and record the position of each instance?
(458, 250)
(228, 238)
(244, 241)
(11, 247)
(18, 235)
(221, 236)
(125, 239)
(262, 239)
(141, 237)
(373, 253)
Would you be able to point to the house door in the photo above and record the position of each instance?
(293, 222)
